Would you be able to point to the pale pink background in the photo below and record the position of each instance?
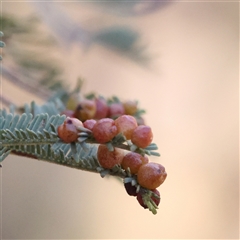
(191, 96)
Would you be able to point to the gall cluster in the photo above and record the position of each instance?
(103, 122)
(98, 108)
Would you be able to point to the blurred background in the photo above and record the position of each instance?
(180, 60)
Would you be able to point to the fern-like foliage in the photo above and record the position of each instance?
(25, 134)
(36, 137)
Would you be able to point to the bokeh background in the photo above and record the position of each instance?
(181, 61)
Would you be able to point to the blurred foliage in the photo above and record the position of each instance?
(121, 37)
(130, 8)
(11, 26)
(27, 54)
(2, 44)
(31, 47)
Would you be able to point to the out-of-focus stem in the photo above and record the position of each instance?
(29, 87)
(5, 101)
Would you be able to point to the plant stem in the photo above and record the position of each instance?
(40, 91)
(13, 143)
(6, 101)
(66, 164)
